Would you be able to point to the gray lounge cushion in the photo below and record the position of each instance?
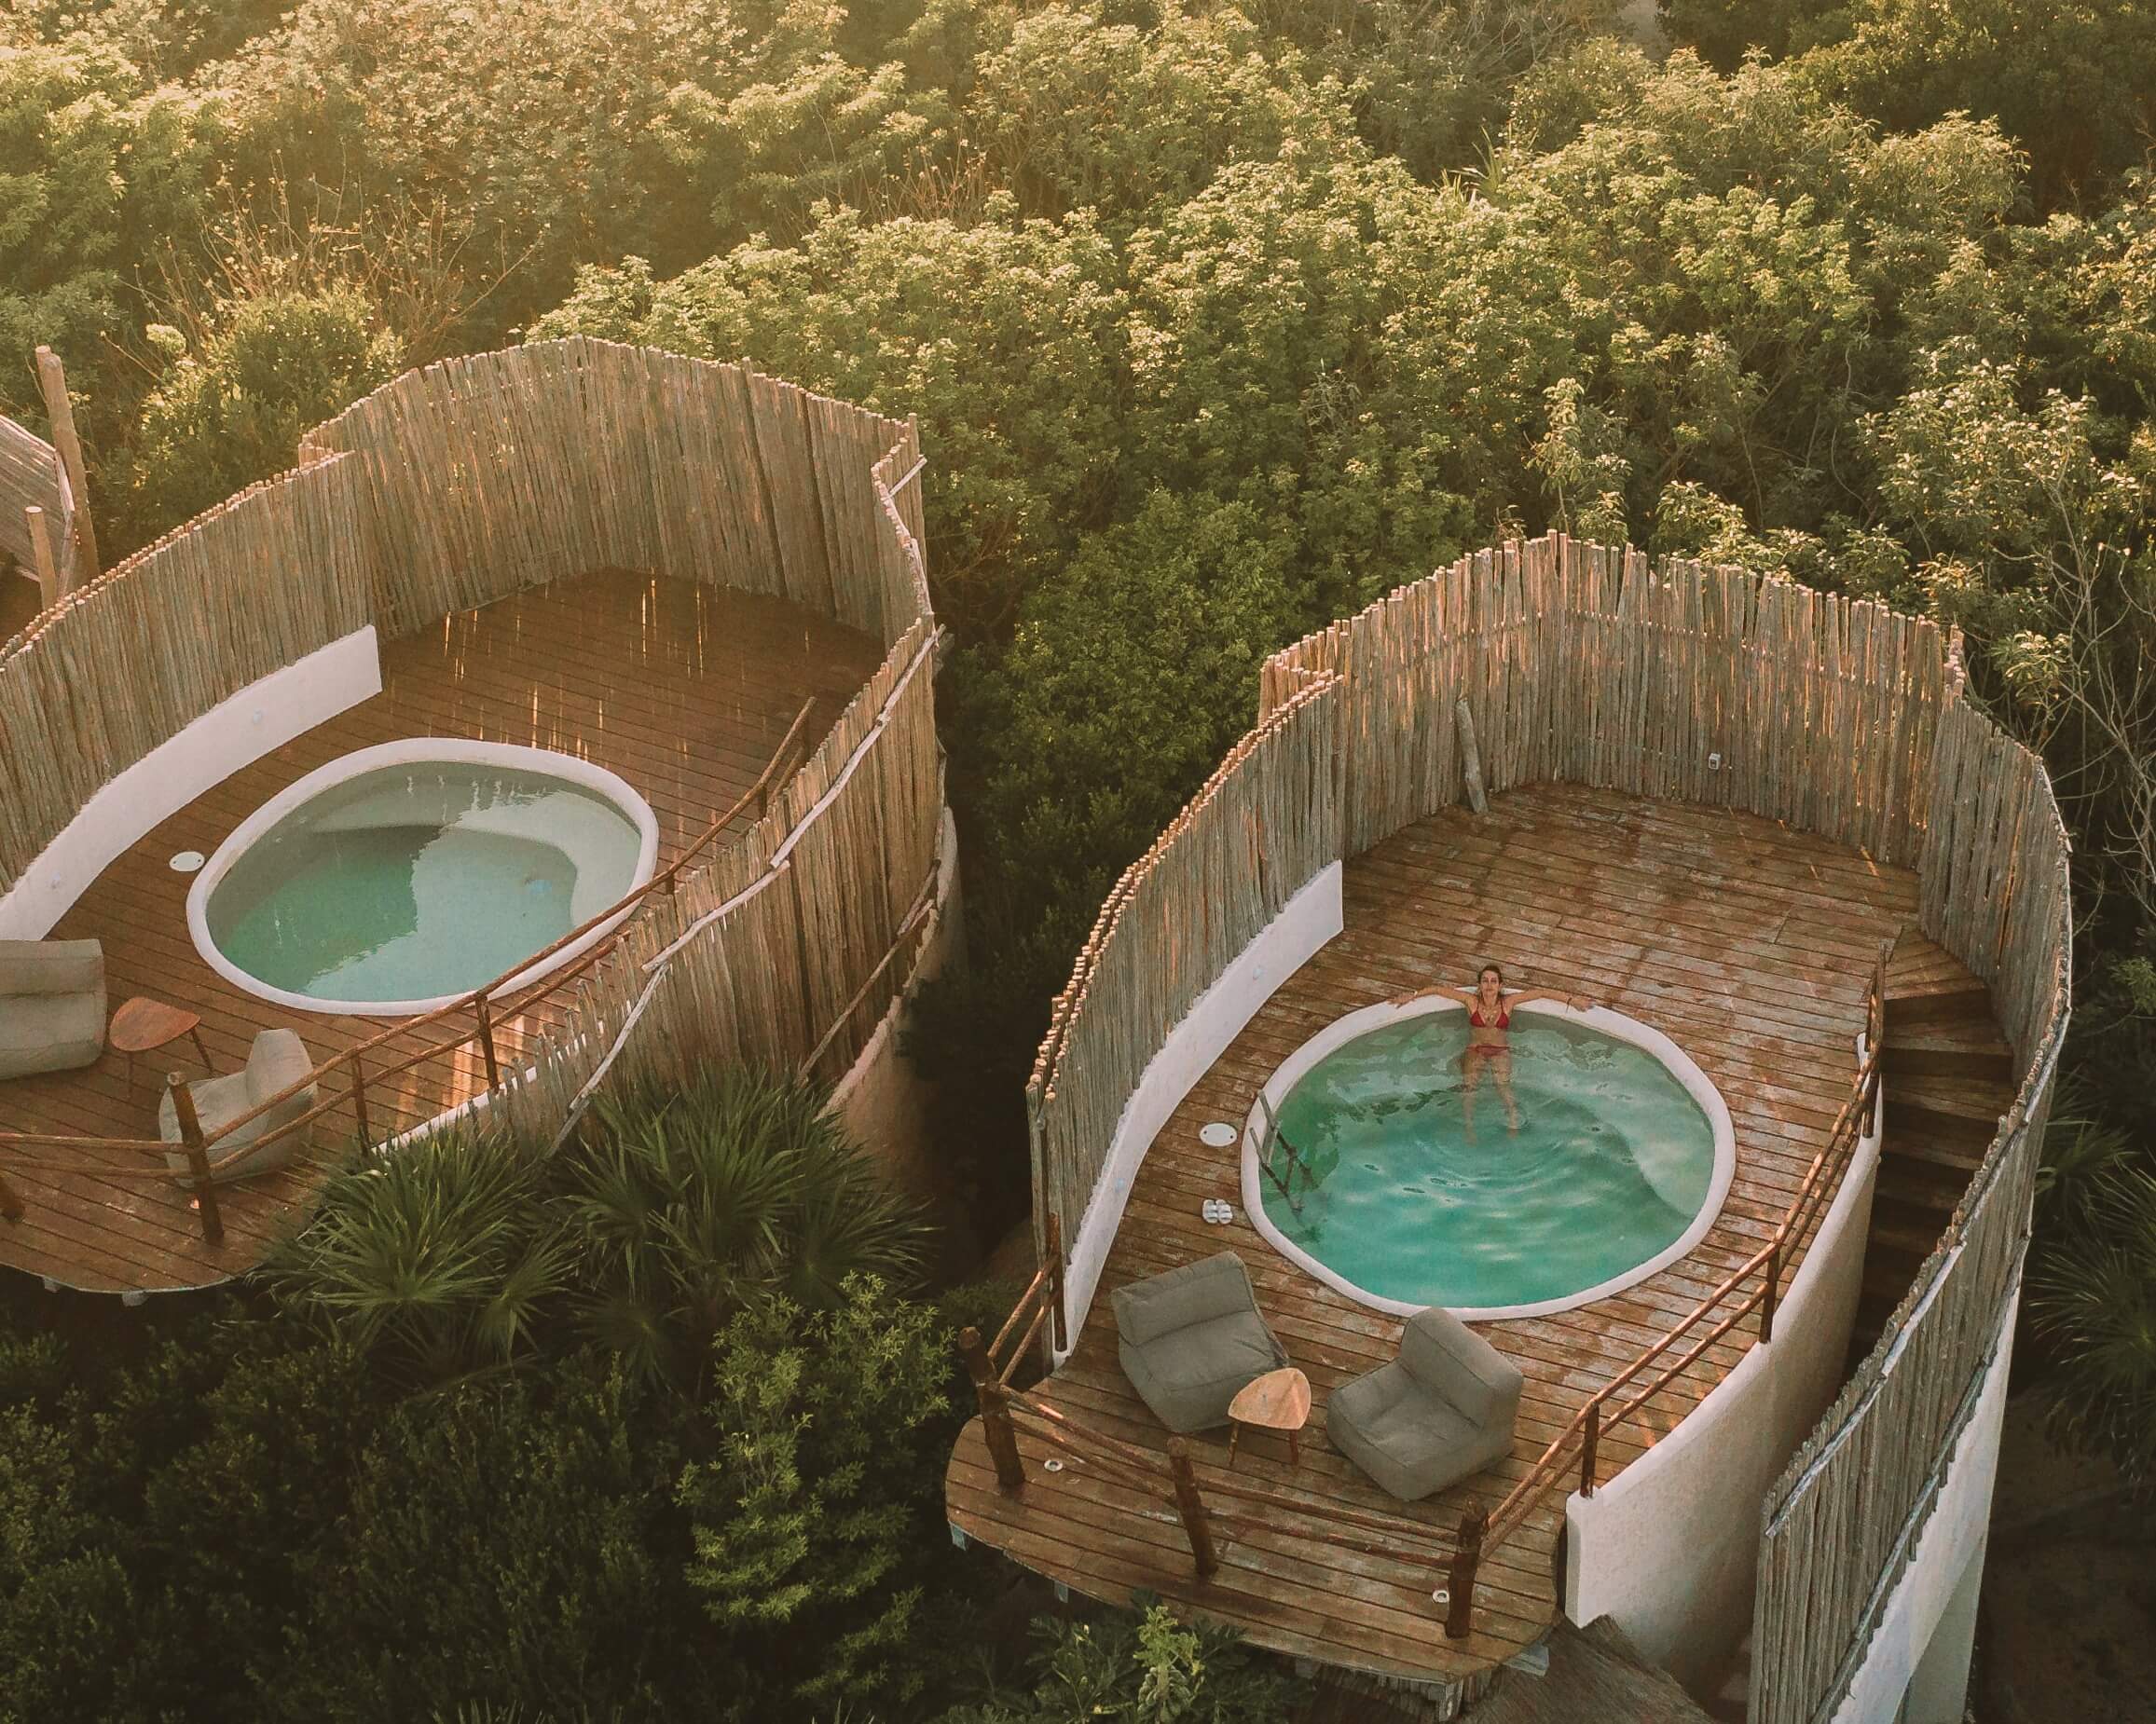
(1191, 1339)
(1440, 1412)
(51, 1005)
(278, 1060)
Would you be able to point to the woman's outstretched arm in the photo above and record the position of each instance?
(1578, 1002)
(1435, 990)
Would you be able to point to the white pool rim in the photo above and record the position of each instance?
(417, 751)
(1341, 1030)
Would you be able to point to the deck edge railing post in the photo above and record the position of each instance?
(1590, 1442)
(1191, 1506)
(1460, 1583)
(197, 1155)
(11, 1202)
(1767, 1291)
(485, 1016)
(359, 1102)
(1058, 1330)
(995, 1415)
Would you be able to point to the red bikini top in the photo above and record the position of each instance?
(1503, 1017)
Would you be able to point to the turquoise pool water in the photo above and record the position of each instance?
(416, 880)
(1609, 1166)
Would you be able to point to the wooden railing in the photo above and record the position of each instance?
(1756, 1287)
(1170, 1477)
(350, 1071)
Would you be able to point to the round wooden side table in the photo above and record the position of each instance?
(1278, 1400)
(141, 1026)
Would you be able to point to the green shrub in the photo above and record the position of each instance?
(656, 1220)
(1148, 1668)
(233, 413)
(819, 1518)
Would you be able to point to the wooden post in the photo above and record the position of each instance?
(52, 380)
(197, 1157)
(359, 1100)
(11, 1202)
(1587, 1448)
(1059, 1336)
(48, 592)
(1459, 1584)
(1191, 1507)
(1767, 1305)
(486, 1039)
(994, 1416)
(1470, 756)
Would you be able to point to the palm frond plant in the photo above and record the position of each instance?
(686, 1206)
(2093, 1296)
(2081, 1146)
(442, 1256)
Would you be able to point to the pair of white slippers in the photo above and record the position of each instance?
(1218, 1210)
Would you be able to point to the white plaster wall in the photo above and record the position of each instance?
(1283, 946)
(235, 733)
(1670, 1546)
(1951, 1540)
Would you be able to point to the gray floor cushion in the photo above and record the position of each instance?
(1443, 1410)
(1191, 1339)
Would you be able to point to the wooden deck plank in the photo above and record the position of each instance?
(683, 689)
(1749, 944)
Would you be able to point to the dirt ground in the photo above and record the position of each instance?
(2067, 1633)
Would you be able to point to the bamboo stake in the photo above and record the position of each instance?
(50, 591)
(52, 381)
(1459, 1582)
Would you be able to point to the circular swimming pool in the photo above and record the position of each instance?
(1371, 1160)
(402, 877)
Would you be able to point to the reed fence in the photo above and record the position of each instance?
(501, 470)
(1842, 1524)
(783, 945)
(1710, 685)
(127, 662)
(1262, 826)
(1592, 664)
(33, 477)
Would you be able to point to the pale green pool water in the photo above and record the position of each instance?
(413, 882)
(1610, 1164)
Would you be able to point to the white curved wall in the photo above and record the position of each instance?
(234, 733)
(1931, 1599)
(1670, 1546)
(1286, 944)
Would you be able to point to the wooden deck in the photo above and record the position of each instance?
(1748, 944)
(685, 690)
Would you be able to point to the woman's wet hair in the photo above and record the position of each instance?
(1490, 969)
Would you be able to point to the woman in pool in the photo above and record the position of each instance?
(1489, 1010)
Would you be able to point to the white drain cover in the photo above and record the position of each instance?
(1217, 1134)
(186, 862)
